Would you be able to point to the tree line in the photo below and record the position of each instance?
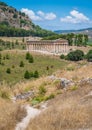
(6, 30)
(73, 39)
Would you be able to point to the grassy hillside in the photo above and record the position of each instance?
(40, 64)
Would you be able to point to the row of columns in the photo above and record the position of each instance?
(50, 47)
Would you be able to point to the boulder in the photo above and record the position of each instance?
(65, 83)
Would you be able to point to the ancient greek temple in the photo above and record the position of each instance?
(58, 46)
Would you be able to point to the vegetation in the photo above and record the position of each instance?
(89, 56)
(8, 45)
(10, 114)
(8, 70)
(27, 75)
(75, 55)
(21, 64)
(36, 69)
(62, 56)
(17, 22)
(73, 39)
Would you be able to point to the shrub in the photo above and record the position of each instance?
(89, 56)
(36, 74)
(76, 55)
(21, 64)
(7, 56)
(42, 90)
(27, 75)
(62, 56)
(50, 97)
(8, 70)
(31, 60)
(4, 94)
(27, 55)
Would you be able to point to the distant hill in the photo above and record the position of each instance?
(17, 23)
(87, 31)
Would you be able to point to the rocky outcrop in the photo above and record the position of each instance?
(66, 83)
(86, 80)
(23, 96)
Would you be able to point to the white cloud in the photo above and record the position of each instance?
(75, 17)
(50, 16)
(31, 14)
(38, 16)
(41, 13)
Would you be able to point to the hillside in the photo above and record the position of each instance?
(11, 17)
(72, 109)
(87, 31)
(16, 23)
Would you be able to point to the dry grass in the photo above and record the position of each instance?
(76, 71)
(20, 39)
(66, 112)
(85, 49)
(10, 114)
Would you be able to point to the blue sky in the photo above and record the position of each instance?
(56, 14)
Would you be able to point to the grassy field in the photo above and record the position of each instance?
(45, 65)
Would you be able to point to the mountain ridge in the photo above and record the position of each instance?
(87, 31)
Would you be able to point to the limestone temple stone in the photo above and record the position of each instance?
(58, 46)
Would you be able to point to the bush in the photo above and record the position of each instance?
(27, 55)
(8, 70)
(31, 60)
(27, 75)
(7, 56)
(75, 55)
(62, 56)
(50, 97)
(36, 74)
(89, 56)
(21, 64)
(42, 90)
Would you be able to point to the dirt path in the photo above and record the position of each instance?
(31, 113)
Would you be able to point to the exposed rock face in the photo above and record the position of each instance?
(86, 80)
(65, 83)
(10, 16)
(23, 96)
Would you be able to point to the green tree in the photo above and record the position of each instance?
(31, 60)
(36, 74)
(8, 70)
(75, 55)
(85, 40)
(27, 75)
(62, 56)
(89, 56)
(27, 55)
(21, 64)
